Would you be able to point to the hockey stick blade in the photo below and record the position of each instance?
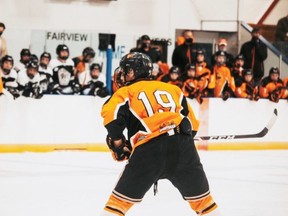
(262, 133)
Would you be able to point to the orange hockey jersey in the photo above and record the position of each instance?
(147, 109)
(222, 78)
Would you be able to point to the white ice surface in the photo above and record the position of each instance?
(243, 183)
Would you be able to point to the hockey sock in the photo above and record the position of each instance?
(203, 205)
(115, 206)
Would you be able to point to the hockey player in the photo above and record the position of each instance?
(248, 87)
(173, 77)
(46, 81)
(195, 87)
(45, 59)
(9, 76)
(272, 86)
(238, 69)
(64, 80)
(25, 55)
(160, 126)
(224, 82)
(95, 82)
(204, 70)
(82, 62)
(285, 88)
(29, 81)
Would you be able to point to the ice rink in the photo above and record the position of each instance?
(243, 183)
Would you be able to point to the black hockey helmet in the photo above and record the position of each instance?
(174, 69)
(25, 52)
(239, 57)
(61, 47)
(274, 70)
(88, 51)
(95, 66)
(32, 64)
(144, 37)
(34, 58)
(190, 67)
(45, 55)
(247, 72)
(200, 52)
(220, 53)
(7, 58)
(140, 63)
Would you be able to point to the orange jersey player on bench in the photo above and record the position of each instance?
(224, 82)
(248, 88)
(272, 87)
(160, 129)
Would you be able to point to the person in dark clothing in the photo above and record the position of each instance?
(185, 53)
(281, 33)
(145, 47)
(255, 53)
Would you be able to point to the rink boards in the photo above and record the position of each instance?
(73, 123)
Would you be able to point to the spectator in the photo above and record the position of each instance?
(94, 82)
(29, 81)
(145, 47)
(82, 62)
(238, 68)
(9, 76)
(185, 53)
(248, 88)
(3, 45)
(272, 86)
(64, 80)
(281, 33)
(173, 77)
(24, 59)
(195, 87)
(224, 82)
(222, 46)
(255, 53)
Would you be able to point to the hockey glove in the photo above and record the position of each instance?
(122, 151)
(275, 96)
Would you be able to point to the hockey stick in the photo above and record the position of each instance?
(262, 133)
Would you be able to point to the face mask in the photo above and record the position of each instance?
(31, 76)
(6, 71)
(238, 65)
(43, 65)
(145, 45)
(63, 57)
(189, 41)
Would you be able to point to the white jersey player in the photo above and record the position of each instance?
(93, 82)
(9, 76)
(24, 59)
(29, 81)
(63, 72)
